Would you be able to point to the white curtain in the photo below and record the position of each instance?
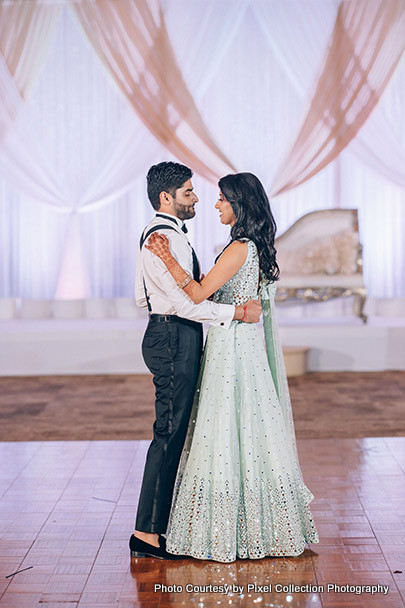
(388, 156)
(381, 201)
(252, 109)
(22, 160)
(71, 185)
(25, 33)
(250, 66)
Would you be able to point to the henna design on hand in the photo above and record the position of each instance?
(159, 245)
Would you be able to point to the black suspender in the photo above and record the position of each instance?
(153, 229)
(141, 242)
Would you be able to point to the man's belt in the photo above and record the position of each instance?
(172, 319)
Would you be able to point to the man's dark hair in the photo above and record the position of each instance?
(165, 177)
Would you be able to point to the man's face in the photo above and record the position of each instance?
(184, 200)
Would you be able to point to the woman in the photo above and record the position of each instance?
(239, 489)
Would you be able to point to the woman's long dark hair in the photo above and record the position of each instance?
(254, 219)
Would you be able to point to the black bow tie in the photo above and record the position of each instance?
(184, 227)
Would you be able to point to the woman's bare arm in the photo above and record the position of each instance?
(228, 264)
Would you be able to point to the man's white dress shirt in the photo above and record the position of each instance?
(165, 297)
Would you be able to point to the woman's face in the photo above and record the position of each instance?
(226, 214)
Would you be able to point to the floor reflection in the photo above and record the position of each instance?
(276, 582)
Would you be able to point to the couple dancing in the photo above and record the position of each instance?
(222, 478)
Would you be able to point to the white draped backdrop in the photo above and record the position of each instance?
(74, 154)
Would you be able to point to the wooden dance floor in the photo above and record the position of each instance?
(67, 510)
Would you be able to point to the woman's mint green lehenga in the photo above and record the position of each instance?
(239, 490)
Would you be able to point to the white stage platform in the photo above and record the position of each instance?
(113, 346)
(349, 345)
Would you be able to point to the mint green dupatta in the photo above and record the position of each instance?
(276, 359)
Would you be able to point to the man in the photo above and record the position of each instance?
(171, 348)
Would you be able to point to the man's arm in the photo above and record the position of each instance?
(140, 297)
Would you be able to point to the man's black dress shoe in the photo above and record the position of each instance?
(139, 548)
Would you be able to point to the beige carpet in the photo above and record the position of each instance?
(345, 404)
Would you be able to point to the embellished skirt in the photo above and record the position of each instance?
(239, 490)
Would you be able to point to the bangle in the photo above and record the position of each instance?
(185, 282)
(244, 312)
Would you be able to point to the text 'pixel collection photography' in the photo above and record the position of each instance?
(270, 588)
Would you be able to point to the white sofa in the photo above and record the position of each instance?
(320, 257)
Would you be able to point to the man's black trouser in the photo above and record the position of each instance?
(171, 349)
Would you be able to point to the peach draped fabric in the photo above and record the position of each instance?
(367, 43)
(26, 29)
(25, 32)
(131, 39)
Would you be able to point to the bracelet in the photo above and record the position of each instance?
(185, 282)
(244, 312)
